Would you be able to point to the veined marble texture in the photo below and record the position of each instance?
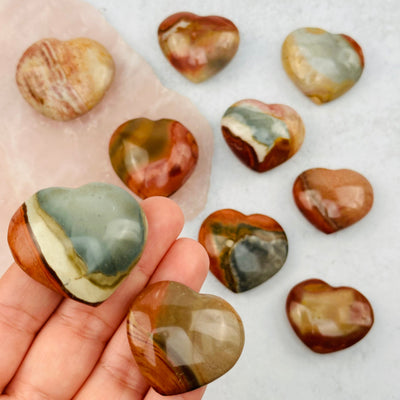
(64, 79)
(261, 135)
(323, 65)
(80, 242)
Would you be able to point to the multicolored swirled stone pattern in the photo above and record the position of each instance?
(79, 242)
(153, 158)
(63, 80)
(332, 199)
(244, 251)
(198, 47)
(261, 135)
(326, 318)
(321, 64)
(182, 340)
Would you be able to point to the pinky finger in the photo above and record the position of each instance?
(194, 395)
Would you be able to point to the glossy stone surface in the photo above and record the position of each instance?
(328, 319)
(182, 340)
(321, 64)
(244, 251)
(198, 47)
(332, 199)
(79, 242)
(64, 79)
(262, 135)
(153, 158)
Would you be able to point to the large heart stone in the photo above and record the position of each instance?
(153, 158)
(321, 64)
(198, 47)
(182, 340)
(63, 80)
(244, 251)
(332, 199)
(262, 135)
(80, 242)
(328, 319)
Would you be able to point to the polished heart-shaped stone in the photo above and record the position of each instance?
(182, 340)
(321, 64)
(244, 251)
(332, 199)
(262, 135)
(64, 79)
(326, 318)
(153, 158)
(79, 242)
(198, 47)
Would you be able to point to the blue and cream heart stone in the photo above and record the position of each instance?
(79, 242)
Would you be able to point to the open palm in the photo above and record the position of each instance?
(59, 349)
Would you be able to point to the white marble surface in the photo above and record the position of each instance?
(360, 130)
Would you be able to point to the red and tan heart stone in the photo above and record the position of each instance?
(332, 199)
(64, 79)
(198, 47)
(326, 318)
(182, 340)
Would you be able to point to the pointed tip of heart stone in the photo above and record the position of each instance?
(153, 158)
(332, 199)
(198, 47)
(261, 135)
(64, 79)
(79, 242)
(321, 64)
(328, 319)
(182, 340)
(244, 251)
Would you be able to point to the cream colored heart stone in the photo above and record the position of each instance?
(64, 80)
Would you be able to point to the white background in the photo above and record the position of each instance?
(360, 131)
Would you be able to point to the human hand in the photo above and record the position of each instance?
(58, 349)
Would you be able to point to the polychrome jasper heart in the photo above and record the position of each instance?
(244, 251)
(153, 158)
(332, 199)
(262, 135)
(198, 47)
(63, 80)
(328, 319)
(182, 340)
(79, 242)
(321, 64)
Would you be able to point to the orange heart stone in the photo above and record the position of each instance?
(332, 199)
(182, 340)
(153, 158)
(321, 64)
(244, 250)
(63, 80)
(328, 319)
(261, 135)
(198, 47)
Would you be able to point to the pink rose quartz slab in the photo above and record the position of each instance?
(36, 152)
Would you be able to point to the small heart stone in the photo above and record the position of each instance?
(198, 47)
(262, 135)
(322, 65)
(332, 199)
(153, 158)
(182, 340)
(63, 80)
(244, 251)
(326, 318)
(79, 242)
